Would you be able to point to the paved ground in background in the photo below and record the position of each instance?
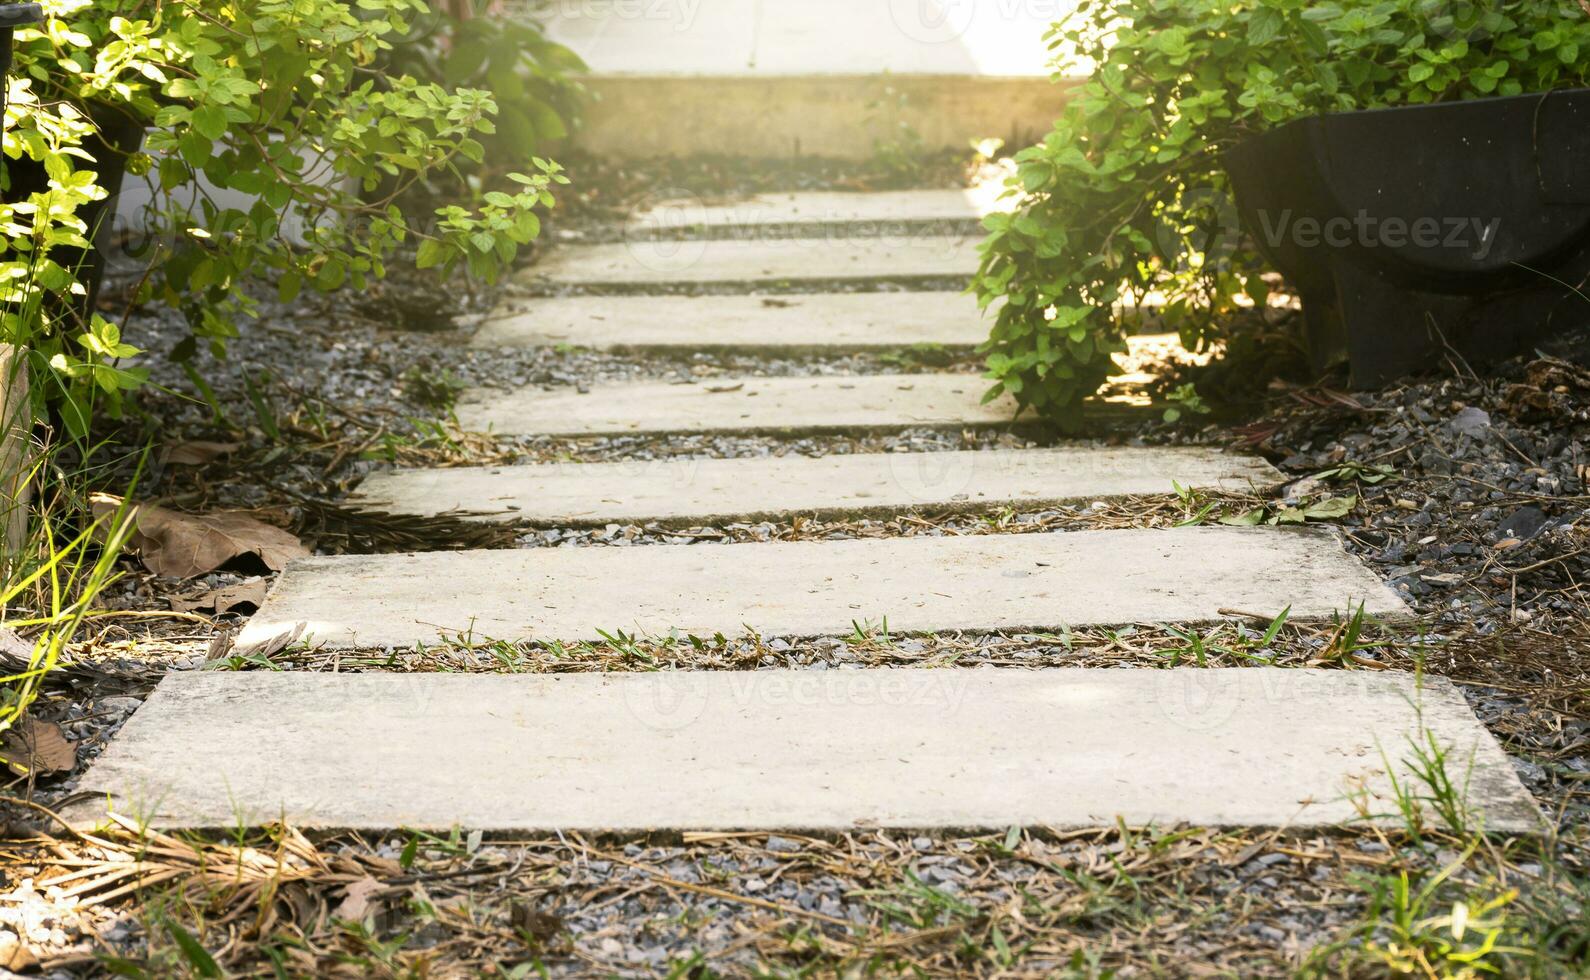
(810, 37)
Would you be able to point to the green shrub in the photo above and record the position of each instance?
(532, 78)
(1127, 193)
(286, 101)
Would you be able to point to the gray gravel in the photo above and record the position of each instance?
(1485, 519)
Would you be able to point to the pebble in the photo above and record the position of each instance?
(120, 705)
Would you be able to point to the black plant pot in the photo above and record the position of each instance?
(118, 138)
(12, 16)
(1414, 229)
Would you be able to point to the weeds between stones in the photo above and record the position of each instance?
(1022, 902)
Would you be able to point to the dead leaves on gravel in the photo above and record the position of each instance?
(244, 597)
(223, 901)
(34, 747)
(1552, 389)
(197, 452)
(334, 908)
(178, 545)
(247, 891)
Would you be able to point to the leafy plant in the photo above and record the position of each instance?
(1184, 399)
(1369, 473)
(1127, 194)
(54, 586)
(285, 102)
(42, 238)
(1196, 505)
(469, 43)
(1418, 936)
(1324, 508)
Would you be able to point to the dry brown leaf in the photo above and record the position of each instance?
(249, 594)
(15, 646)
(39, 746)
(534, 923)
(360, 897)
(197, 453)
(271, 646)
(16, 956)
(220, 644)
(185, 545)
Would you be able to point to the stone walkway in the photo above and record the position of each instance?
(808, 749)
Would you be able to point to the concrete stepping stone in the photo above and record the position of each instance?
(718, 491)
(789, 750)
(823, 208)
(788, 324)
(813, 588)
(760, 261)
(787, 405)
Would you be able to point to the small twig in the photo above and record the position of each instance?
(1541, 564)
(41, 808)
(727, 896)
(1519, 493)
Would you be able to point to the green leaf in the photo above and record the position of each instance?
(431, 253)
(1330, 507)
(196, 955)
(548, 123)
(210, 121)
(288, 287)
(1264, 26)
(1250, 518)
(331, 275)
(196, 149)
